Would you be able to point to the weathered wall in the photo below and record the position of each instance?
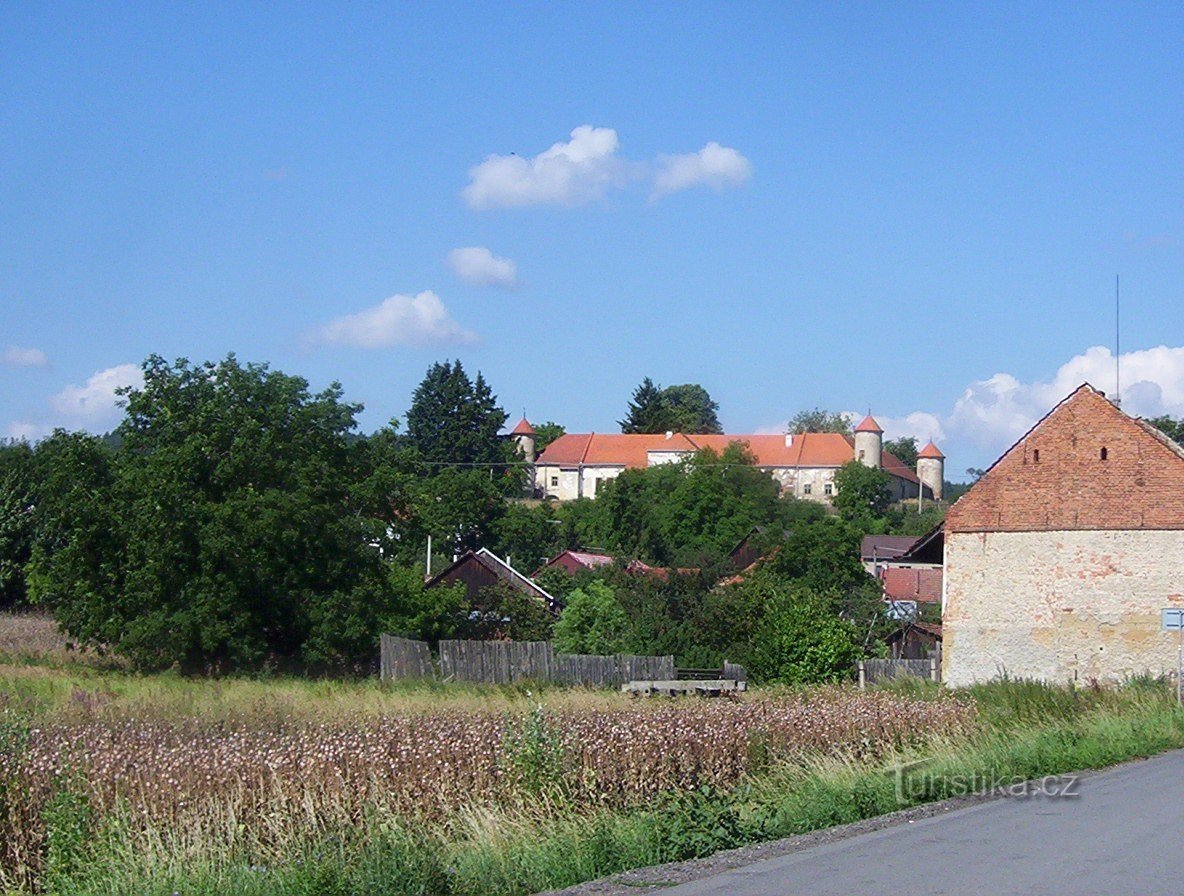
(1059, 606)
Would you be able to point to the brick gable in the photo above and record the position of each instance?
(1055, 477)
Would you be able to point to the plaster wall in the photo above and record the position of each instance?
(1061, 606)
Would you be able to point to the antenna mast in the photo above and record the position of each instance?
(1117, 348)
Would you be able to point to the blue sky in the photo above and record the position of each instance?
(914, 208)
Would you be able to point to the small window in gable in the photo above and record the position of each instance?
(1104, 454)
(1035, 455)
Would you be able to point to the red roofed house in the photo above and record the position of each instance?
(577, 464)
(1060, 558)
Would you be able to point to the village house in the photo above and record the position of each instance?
(577, 465)
(1060, 558)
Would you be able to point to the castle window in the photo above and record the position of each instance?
(1104, 453)
(861, 454)
(554, 481)
(1036, 455)
(807, 488)
(828, 488)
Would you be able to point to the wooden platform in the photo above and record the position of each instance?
(701, 688)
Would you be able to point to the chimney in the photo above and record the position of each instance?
(789, 440)
(669, 434)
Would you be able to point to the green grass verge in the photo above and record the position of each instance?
(1030, 731)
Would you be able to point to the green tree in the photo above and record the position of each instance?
(528, 535)
(904, 450)
(545, 434)
(683, 408)
(690, 408)
(16, 520)
(822, 555)
(226, 534)
(592, 622)
(801, 640)
(818, 420)
(453, 420)
(647, 411)
(861, 492)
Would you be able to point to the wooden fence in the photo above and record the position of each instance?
(503, 662)
(873, 670)
(403, 658)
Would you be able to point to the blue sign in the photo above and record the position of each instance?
(1172, 619)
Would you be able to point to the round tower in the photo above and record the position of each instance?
(931, 469)
(523, 435)
(869, 442)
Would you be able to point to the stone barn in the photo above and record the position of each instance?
(1060, 558)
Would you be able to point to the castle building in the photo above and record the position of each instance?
(577, 465)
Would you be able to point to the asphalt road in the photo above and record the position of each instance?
(1121, 835)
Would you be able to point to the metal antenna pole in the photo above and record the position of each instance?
(1117, 347)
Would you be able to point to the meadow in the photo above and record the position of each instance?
(116, 783)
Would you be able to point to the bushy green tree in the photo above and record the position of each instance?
(674, 514)
(861, 492)
(800, 639)
(822, 555)
(16, 520)
(904, 450)
(683, 408)
(227, 533)
(819, 420)
(592, 622)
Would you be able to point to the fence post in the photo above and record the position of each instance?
(933, 668)
(862, 676)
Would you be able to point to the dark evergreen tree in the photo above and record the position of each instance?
(453, 420)
(647, 413)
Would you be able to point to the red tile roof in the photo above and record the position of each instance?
(811, 449)
(931, 450)
(903, 583)
(869, 424)
(522, 429)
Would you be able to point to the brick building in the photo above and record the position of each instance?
(1060, 558)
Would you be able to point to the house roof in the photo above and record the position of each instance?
(585, 559)
(912, 583)
(869, 424)
(812, 449)
(1085, 465)
(928, 628)
(499, 568)
(885, 547)
(931, 450)
(523, 428)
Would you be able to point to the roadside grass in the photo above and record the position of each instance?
(545, 839)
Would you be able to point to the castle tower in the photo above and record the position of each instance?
(523, 435)
(931, 468)
(869, 442)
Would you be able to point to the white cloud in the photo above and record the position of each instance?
(920, 425)
(997, 411)
(400, 320)
(477, 265)
(571, 173)
(713, 166)
(95, 403)
(583, 169)
(16, 356)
